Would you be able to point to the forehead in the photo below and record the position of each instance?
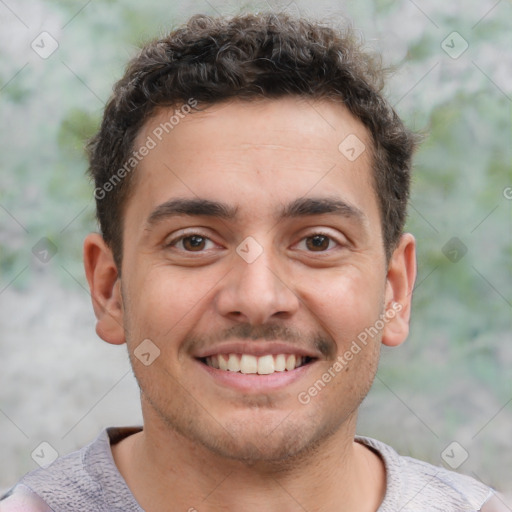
(252, 154)
(299, 123)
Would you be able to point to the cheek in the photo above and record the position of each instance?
(164, 303)
(344, 302)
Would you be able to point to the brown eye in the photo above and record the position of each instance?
(317, 242)
(193, 243)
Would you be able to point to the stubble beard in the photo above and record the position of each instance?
(273, 441)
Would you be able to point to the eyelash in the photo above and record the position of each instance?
(326, 235)
(176, 241)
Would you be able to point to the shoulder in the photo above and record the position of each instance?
(70, 480)
(22, 499)
(496, 504)
(445, 482)
(63, 481)
(86, 479)
(415, 485)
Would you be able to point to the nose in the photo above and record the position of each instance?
(256, 292)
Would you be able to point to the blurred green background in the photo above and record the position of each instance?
(450, 382)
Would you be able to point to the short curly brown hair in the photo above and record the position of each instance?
(268, 55)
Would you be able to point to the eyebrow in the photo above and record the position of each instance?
(196, 207)
(301, 207)
(306, 206)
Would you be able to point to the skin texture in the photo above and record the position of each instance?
(207, 443)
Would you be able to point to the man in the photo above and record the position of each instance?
(251, 187)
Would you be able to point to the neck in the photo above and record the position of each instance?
(160, 467)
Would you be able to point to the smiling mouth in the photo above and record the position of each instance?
(262, 365)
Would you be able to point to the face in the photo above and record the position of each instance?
(253, 259)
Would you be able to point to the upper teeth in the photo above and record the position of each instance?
(247, 363)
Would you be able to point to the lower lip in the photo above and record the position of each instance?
(253, 382)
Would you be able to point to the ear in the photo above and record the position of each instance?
(399, 285)
(105, 286)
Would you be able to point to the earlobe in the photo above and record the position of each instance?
(399, 286)
(102, 276)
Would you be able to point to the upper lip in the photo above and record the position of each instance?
(257, 349)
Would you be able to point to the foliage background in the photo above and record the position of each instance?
(450, 382)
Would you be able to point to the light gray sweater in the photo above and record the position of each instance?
(88, 480)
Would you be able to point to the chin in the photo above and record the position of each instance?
(271, 439)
